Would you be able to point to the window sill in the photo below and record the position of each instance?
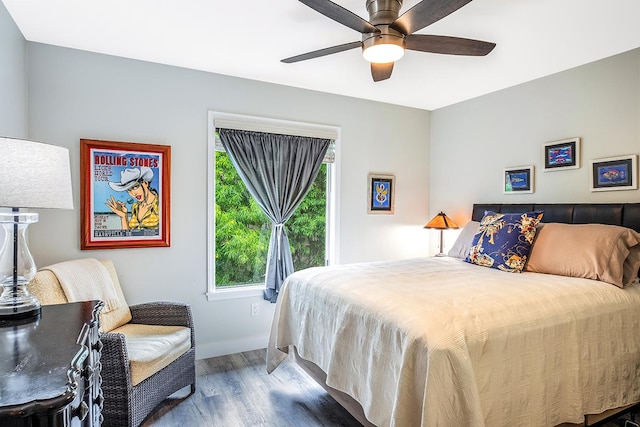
(239, 292)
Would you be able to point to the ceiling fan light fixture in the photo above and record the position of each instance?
(383, 48)
(383, 53)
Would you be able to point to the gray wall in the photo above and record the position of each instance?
(13, 89)
(13, 81)
(75, 94)
(472, 142)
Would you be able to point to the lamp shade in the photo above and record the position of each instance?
(34, 175)
(441, 222)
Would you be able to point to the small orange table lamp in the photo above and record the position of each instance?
(441, 222)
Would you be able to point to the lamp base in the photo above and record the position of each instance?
(11, 311)
(441, 254)
(17, 267)
(17, 303)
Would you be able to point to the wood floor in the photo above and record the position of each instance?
(236, 391)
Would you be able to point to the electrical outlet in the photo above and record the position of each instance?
(254, 309)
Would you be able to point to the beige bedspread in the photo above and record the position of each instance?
(440, 342)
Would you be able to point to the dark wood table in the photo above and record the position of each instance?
(50, 367)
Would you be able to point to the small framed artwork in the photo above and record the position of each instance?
(381, 197)
(562, 155)
(518, 180)
(124, 194)
(614, 173)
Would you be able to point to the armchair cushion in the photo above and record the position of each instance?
(153, 347)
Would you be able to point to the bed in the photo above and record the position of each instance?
(440, 341)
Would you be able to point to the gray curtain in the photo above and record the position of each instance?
(278, 171)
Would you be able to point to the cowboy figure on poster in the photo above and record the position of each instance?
(126, 189)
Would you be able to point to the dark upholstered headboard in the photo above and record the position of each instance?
(625, 214)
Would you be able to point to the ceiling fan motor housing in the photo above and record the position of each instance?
(383, 11)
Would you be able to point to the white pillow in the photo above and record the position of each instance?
(462, 246)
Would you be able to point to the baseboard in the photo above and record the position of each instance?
(221, 348)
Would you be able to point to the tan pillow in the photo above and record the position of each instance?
(609, 253)
(46, 288)
(462, 245)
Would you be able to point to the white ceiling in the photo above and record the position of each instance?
(248, 38)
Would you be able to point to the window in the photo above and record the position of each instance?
(239, 231)
(242, 230)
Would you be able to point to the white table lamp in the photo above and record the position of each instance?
(32, 175)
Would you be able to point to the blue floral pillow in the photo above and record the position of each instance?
(504, 241)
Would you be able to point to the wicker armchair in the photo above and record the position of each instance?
(128, 405)
(134, 379)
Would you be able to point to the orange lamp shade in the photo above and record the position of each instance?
(441, 222)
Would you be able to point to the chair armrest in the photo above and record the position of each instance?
(116, 373)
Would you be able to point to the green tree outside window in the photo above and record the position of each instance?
(243, 230)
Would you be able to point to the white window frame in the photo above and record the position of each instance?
(263, 124)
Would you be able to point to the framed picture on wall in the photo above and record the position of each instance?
(518, 180)
(614, 173)
(124, 194)
(381, 195)
(562, 155)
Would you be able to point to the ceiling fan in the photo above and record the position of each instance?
(386, 36)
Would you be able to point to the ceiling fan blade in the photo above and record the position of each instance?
(426, 13)
(322, 52)
(341, 15)
(381, 71)
(448, 45)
